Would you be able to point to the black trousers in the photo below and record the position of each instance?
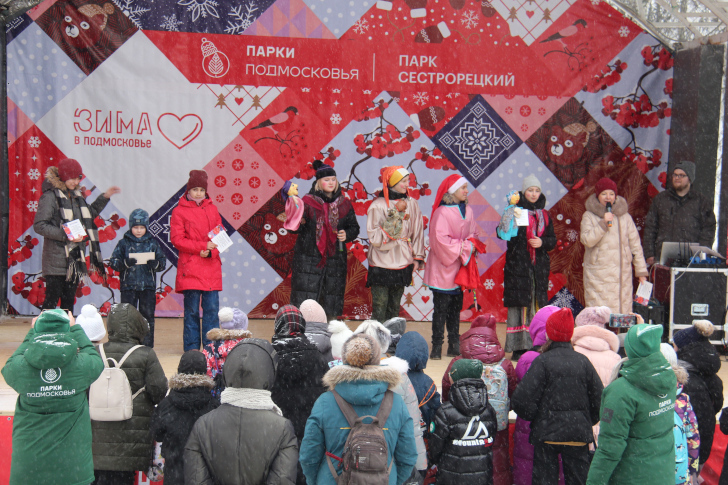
(58, 288)
(146, 302)
(575, 459)
(446, 312)
(108, 477)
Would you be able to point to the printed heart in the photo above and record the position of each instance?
(239, 100)
(425, 299)
(529, 14)
(179, 131)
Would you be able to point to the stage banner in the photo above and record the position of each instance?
(140, 92)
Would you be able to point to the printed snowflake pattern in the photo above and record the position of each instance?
(595, 2)
(200, 8)
(133, 12)
(335, 118)
(623, 31)
(34, 174)
(469, 19)
(170, 23)
(421, 99)
(34, 141)
(32, 206)
(361, 26)
(241, 21)
(489, 284)
(572, 235)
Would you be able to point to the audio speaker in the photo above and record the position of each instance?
(700, 295)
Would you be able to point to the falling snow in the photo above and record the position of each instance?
(335, 118)
(241, 20)
(170, 23)
(361, 26)
(200, 8)
(469, 19)
(34, 141)
(133, 12)
(623, 31)
(421, 99)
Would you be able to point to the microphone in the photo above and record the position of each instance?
(609, 209)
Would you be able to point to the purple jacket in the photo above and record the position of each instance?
(522, 449)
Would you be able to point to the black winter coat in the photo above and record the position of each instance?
(724, 429)
(326, 285)
(561, 395)
(461, 443)
(172, 421)
(704, 388)
(519, 271)
(140, 276)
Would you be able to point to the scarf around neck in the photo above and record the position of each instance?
(75, 252)
(537, 221)
(247, 398)
(328, 215)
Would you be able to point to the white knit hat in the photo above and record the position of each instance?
(91, 322)
(340, 333)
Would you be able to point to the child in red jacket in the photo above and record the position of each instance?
(199, 269)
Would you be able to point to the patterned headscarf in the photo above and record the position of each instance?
(289, 322)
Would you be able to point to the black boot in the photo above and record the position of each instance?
(436, 353)
(453, 349)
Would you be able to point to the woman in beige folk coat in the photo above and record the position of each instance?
(610, 252)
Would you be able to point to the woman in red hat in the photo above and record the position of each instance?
(451, 228)
(612, 247)
(64, 259)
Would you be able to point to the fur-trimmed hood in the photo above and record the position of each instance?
(396, 363)
(53, 181)
(595, 338)
(619, 208)
(370, 373)
(184, 381)
(681, 373)
(223, 334)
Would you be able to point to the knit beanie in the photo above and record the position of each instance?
(91, 322)
(289, 322)
(139, 217)
(669, 354)
(603, 184)
(323, 170)
(530, 181)
(361, 350)
(232, 318)
(642, 340)
(687, 167)
(68, 168)
(701, 330)
(466, 369)
(55, 320)
(560, 326)
(312, 311)
(340, 333)
(192, 362)
(593, 315)
(198, 178)
(378, 332)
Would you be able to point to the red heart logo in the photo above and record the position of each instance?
(529, 14)
(425, 299)
(239, 100)
(179, 131)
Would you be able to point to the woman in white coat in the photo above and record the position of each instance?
(612, 246)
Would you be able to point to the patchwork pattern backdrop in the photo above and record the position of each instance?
(143, 91)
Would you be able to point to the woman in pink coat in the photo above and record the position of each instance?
(199, 269)
(481, 343)
(451, 227)
(522, 449)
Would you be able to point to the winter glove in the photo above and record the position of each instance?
(152, 263)
(130, 262)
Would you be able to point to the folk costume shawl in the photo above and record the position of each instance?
(328, 215)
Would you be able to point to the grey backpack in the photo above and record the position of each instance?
(364, 461)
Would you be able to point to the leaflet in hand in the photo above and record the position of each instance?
(142, 258)
(644, 292)
(74, 229)
(220, 237)
(523, 219)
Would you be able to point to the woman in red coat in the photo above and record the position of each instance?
(199, 269)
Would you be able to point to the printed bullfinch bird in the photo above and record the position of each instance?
(281, 121)
(566, 31)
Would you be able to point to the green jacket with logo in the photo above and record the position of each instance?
(636, 443)
(51, 371)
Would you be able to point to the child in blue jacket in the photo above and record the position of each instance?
(139, 281)
(412, 347)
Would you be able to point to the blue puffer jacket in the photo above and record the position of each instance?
(139, 277)
(412, 347)
(327, 428)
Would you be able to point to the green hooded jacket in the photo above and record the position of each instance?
(636, 443)
(51, 371)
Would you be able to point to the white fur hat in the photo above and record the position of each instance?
(378, 332)
(91, 322)
(340, 333)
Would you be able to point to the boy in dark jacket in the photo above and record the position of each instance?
(464, 429)
(561, 395)
(413, 348)
(139, 280)
(189, 398)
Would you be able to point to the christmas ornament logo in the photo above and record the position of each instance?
(214, 63)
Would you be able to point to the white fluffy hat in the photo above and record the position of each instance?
(91, 322)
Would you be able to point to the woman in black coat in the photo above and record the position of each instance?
(189, 398)
(527, 268)
(300, 369)
(319, 257)
(704, 387)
